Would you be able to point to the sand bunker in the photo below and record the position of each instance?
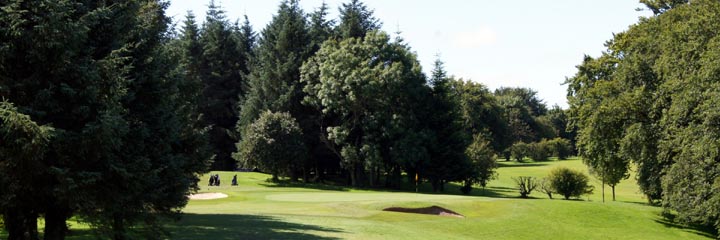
(207, 196)
(434, 210)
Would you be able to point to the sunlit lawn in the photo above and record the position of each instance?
(257, 209)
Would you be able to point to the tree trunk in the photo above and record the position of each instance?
(305, 175)
(118, 228)
(353, 177)
(18, 225)
(603, 189)
(613, 190)
(55, 222)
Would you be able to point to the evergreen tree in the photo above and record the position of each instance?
(447, 151)
(321, 28)
(356, 20)
(222, 65)
(123, 150)
(22, 152)
(275, 74)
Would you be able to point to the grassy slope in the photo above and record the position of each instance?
(260, 210)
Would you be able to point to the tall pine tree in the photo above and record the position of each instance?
(222, 65)
(275, 73)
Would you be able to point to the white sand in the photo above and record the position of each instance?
(207, 196)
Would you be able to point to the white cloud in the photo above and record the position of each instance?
(482, 36)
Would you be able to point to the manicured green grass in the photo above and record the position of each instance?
(257, 209)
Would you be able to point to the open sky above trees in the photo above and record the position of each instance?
(498, 43)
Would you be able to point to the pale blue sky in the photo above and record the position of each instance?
(529, 43)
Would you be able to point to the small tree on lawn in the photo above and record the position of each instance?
(519, 151)
(482, 157)
(525, 185)
(273, 143)
(546, 187)
(538, 151)
(569, 183)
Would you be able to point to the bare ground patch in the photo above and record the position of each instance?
(207, 196)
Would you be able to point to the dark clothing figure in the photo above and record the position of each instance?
(234, 180)
(217, 179)
(212, 180)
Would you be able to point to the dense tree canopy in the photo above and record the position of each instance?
(99, 74)
(648, 100)
(372, 85)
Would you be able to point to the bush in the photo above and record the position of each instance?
(569, 183)
(519, 150)
(273, 143)
(560, 148)
(525, 185)
(538, 151)
(546, 188)
(482, 157)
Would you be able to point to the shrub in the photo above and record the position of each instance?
(482, 157)
(525, 185)
(560, 148)
(569, 183)
(546, 187)
(538, 151)
(273, 143)
(519, 151)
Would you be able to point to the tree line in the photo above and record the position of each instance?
(109, 114)
(651, 100)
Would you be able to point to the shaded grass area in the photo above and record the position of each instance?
(242, 226)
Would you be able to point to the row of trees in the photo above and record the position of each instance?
(651, 99)
(364, 108)
(98, 119)
(109, 115)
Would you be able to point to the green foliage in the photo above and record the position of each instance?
(223, 66)
(448, 159)
(519, 151)
(546, 187)
(128, 147)
(481, 112)
(539, 151)
(373, 89)
(356, 20)
(559, 147)
(482, 157)
(647, 100)
(274, 144)
(23, 146)
(525, 185)
(569, 183)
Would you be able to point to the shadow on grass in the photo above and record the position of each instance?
(496, 192)
(221, 227)
(700, 230)
(521, 164)
(318, 186)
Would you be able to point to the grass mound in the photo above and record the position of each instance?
(433, 210)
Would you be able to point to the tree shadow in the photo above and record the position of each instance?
(704, 231)
(220, 227)
(318, 186)
(496, 192)
(523, 164)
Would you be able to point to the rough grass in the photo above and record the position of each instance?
(257, 209)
